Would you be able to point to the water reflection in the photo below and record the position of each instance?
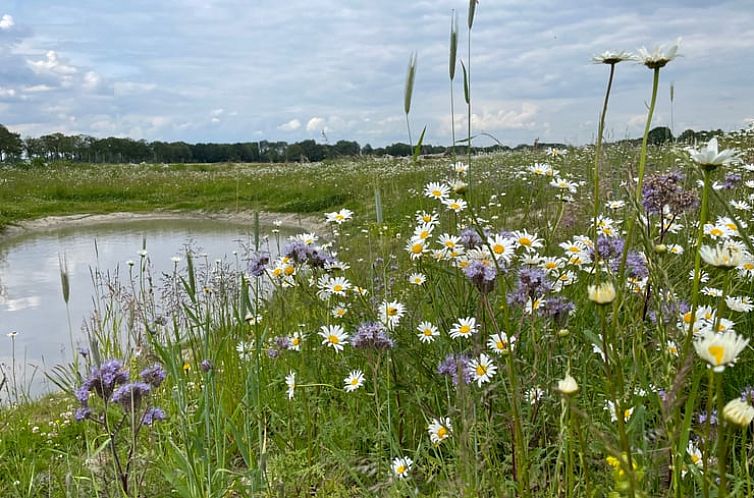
(31, 299)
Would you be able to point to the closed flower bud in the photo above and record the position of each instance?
(661, 248)
(603, 293)
(738, 412)
(568, 386)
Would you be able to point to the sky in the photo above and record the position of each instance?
(232, 70)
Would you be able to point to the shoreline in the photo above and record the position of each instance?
(289, 220)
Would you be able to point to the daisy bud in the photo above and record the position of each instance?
(563, 332)
(739, 413)
(603, 293)
(661, 248)
(568, 386)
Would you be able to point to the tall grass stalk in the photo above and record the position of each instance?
(408, 92)
(452, 73)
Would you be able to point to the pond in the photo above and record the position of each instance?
(34, 331)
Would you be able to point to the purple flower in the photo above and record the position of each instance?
(297, 250)
(283, 342)
(206, 366)
(372, 335)
(748, 395)
(258, 264)
(153, 375)
(666, 192)
(83, 413)
(470, 238)
(636, 265)
(558, 308)
(481, 275)
(104, 379)
(731, 180)
(701, 418)
(533, 283)
(130, 395)
(452, 365)
(609, 247)
(82, 394)
(152, 415)
(273, 353)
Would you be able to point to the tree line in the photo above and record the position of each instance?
(84, 148)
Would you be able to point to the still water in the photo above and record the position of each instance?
(33, 320)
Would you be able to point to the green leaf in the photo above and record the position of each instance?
(453, 45)
(465, 84)
(409, 90)
(418, 147)
(472, 11)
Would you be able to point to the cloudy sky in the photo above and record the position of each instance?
(232, 70)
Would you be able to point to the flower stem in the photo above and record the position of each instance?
(598, 152)
(722, 490)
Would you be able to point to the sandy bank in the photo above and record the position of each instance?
(287, 220)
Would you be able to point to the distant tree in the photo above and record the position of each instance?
(11, 145)
(399, 149)
(367, 150)
(687, 136)
(660, 135)
(346, 148)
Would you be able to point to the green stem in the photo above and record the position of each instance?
(698, 260)
(640, 183)
(722, 490)
(598, 152)
(707, 435)
(616, 388)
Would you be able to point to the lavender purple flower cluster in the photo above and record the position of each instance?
(112, 384)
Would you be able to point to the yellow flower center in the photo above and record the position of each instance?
(392, 311)
(400, 469)
(500, 345)
(435, 193)
(289, 270)
(340, 217)
(550, 265)
(442, 432)
(427, 332)
(498, 248)
(717, 353)
(426, 218)
(687, 317)
(716, 232)
(524, 241)
(334, 339)
(695, 458)
(417, 248)
(464, 329)
(424, 234)
(355, 381)
(481, 370)
(455, 206)
(296, 341)
(337, 288)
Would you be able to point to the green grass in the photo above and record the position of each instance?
(233, 431)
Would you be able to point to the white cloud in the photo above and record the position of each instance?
(6, 22)
(292, 125)
(123, 88)
(51, 64)
(37, 88)
(91, 80)
(315, 124)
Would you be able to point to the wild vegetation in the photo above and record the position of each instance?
(545, 322)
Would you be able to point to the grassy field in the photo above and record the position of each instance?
(394, 359)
